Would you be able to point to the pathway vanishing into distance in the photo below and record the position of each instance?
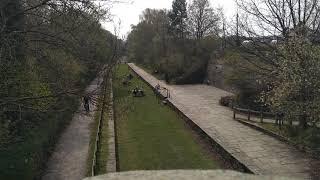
(259, 152)
(69, 159)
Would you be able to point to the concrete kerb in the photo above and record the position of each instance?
(115, 131)
(112, 150)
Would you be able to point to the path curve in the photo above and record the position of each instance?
(259, 152)
(69, 159)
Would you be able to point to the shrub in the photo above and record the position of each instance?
(194, 73)
(226, 101)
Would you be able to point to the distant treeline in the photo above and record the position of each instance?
(178, 43)
(269, 56)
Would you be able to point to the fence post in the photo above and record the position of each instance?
(249, 114)
(261, 116)
(280, 121)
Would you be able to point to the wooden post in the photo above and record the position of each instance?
(249, 114)
(234, 113)
(280, 125)
(261, 116)
(280, 121)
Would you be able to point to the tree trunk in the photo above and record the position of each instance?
(303, 121)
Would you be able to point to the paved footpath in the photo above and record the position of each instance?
(261, 153)
(69, 159)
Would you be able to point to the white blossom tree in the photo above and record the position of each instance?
(296, 90)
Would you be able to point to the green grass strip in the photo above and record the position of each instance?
(152, 136)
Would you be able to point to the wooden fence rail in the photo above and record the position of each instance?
(260, 114)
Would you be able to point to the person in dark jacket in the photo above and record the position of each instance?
(86, 102)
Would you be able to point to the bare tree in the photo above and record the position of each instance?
(262, 25)
(202, 20)
(266, 24)
(281, 17)
(283, 50)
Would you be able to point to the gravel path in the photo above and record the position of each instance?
(69, 159)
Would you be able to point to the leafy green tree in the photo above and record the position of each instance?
(12, 57)
(49, 52)
(178, 18)
(151, 32)
(176, 60)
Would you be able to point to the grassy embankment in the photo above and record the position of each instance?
(26, 158)
(152, 136)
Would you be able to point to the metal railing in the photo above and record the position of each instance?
(165, 92)
(97, 137)
(97, 141)
(260, 114)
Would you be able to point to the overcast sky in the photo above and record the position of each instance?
(128, 13)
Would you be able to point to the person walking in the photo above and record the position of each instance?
(86, 102)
